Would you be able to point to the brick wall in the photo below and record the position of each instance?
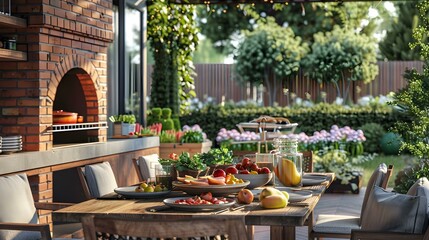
(61, 35)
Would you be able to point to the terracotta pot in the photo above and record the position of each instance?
(61, 117)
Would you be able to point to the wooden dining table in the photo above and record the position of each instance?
(282, 221)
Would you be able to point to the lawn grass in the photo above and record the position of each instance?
(399, 163)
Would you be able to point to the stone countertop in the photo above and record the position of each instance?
(22, 161)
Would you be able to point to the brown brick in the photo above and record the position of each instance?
(10, 111)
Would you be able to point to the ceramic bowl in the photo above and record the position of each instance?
(256, 180)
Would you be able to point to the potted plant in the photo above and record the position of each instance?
(217, 158)
(190, 165)
(348, 177)
(190, 139)
(123, 124)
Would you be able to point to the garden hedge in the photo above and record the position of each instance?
(321, 116)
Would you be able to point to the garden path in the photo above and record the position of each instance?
(330, 203)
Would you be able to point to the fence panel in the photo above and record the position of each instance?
(218, 81)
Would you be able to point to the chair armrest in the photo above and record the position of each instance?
(42, 228)
(378, 235)
(52, 205)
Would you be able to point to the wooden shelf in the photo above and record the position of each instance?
(12, 55)
(12, 22)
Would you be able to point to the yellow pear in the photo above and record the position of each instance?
(274, 201)
(149, 188)
(158, 188)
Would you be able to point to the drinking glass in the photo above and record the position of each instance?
(163, 175)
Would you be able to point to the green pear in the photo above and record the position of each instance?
(268, 191)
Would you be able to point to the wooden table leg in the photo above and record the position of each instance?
(250, 231)
(282, 233)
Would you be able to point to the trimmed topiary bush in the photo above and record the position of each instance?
(373, 133)
(390, 143)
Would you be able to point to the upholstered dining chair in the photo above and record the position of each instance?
(97, 179)
(340, 226)
(145, 166)
(18, 211)
(391, 215)
(96, 228)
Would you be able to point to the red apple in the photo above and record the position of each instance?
(239, 166)
(253, 167)
(219, 173)
(265, 170)
(245, 196)
(244, 171)
(245, 162)
(231, 169)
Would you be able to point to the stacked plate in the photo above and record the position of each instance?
(11, 144)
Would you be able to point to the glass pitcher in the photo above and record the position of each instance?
(288, 168)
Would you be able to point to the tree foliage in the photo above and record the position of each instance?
(341, 56)
(269, 50)
(221, 23)
(173, 34)
(396, 43)
(413, 99)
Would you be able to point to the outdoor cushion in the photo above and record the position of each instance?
(147, 165)
(390, 211)
(17, 206)
(423, 181)
(376, 179)
(329, 223)
(100, 179)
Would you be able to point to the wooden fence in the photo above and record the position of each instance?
(218, 81)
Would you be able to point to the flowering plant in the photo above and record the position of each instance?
(229, 138)
(344, 138)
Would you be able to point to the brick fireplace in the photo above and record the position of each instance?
(66, 43)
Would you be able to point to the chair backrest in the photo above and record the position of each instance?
(145, 166)
(307, 163)
(378, 178)
(97, 179)
(214, 225)
(387, 176)
(17, 206)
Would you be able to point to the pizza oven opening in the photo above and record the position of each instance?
(73, 109)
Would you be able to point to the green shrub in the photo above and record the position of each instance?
(390, 143)
(320, 116)
(408, 176)
(166, 113)
(154, 116)
(167, 124)
(373, 133)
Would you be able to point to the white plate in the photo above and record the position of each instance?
(129, 192)
(11, 144)
(216, 190)
(296, 195)
(197, 208)
(311, 180)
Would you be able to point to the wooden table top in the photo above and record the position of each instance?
(254, 214)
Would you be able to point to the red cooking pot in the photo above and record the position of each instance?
(61, 117)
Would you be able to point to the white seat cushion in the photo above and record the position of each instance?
(100, 179)
(147, 166)
(343, 224)
(17, 206)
